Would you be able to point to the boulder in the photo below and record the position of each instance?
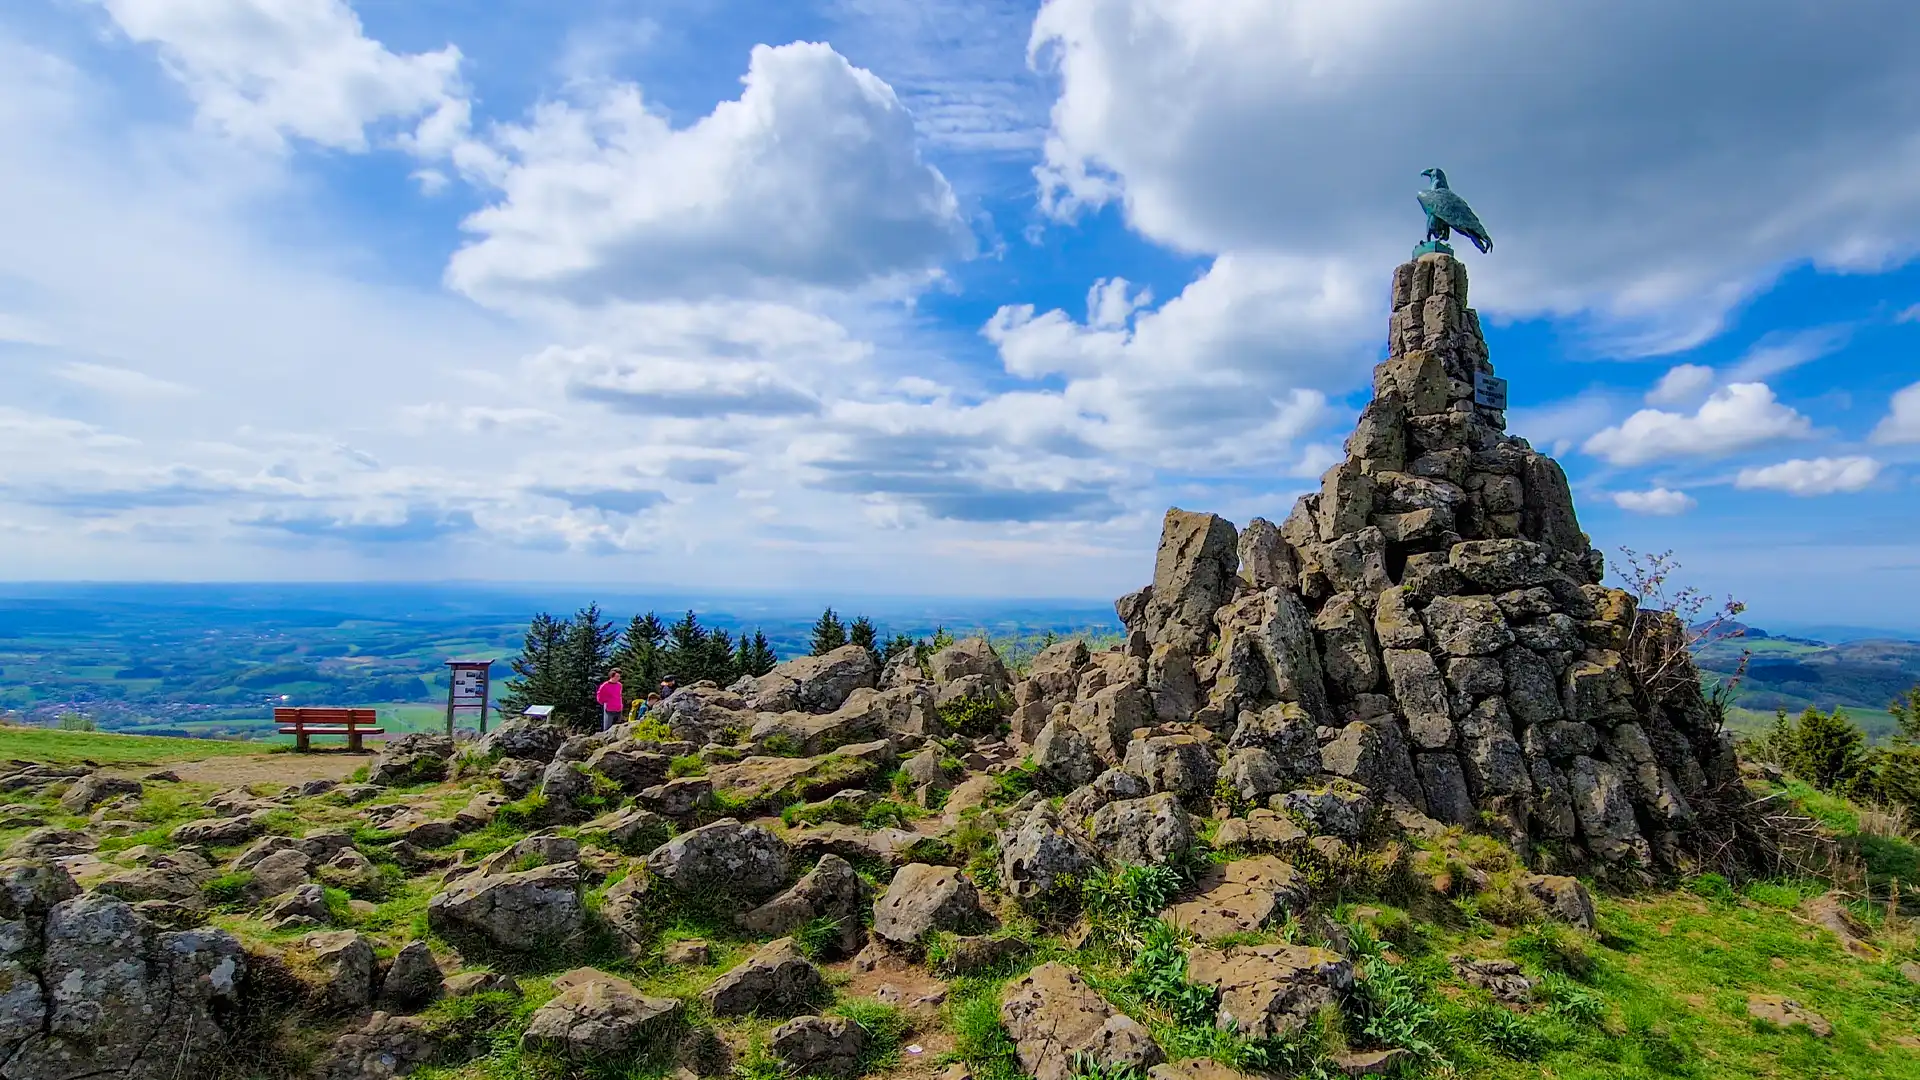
(1260, 830)
(1268, 991)
(1467, 625)
(1285, 731)
(725, 858)
(1060, 1025)
(819, 1046)
(1266, 561)
(1786, 1012)
(1064, 756)
(1504, 979)
(1349, 652)
(632, 768)
(1499, 566)
(1150, 831)
(816, 684)
(1564, 898)
(303, 907)
(974, 659)
(1181, 765)
(385, 1047)
(775, 981)
(51, 842)
(1039, 856)
(1110, 786)
(1327, 811)
(831, 890)
(525, 739)
(595, 1016)
(1253, 774)
(1444, 783)
(344, 963)
(217, 832)
(1605, 812)
(114, 996)
(1193, 574)
(527, 911)
(411, 759)
(95, 788)
(1422, 696)
(413, 978)
(1240, 897)
(1109, 717)
(1276, 628)
(632, 830)
(922, 899)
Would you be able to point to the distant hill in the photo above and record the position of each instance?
(1792, 673)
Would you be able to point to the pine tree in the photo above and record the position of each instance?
(862, 633)
(685, 655)
(743, 656)
(828, 633)
(897, 646)
(587, 656)
(720, 667)
(639, 655)
(760, 656)
(1828, 751)
(537, 671)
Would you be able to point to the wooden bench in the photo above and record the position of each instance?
(304, 722)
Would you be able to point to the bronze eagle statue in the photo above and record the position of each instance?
(1447, 211)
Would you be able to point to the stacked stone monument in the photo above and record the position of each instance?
(1431, 622)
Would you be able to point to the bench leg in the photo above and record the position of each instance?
(353, 743)
(301, 744)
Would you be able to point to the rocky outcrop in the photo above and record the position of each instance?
(922, 899)
(725, 858)
(1060, 1025)
(1429, 624)
(819, 1046)
(774, 981)
(89, 987)
(522, 912)
(411, 759)
(597, 1015)
(1267, 991)
(830, 891)
(815, 684)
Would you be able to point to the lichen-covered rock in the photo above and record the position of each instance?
(1444, 783)
(922, 899)
(1467, 625)
(819, 1046)
(95, 788)
(1193, 574)
(1277, 628)
(632, 830)
(1150, 832)
(774, 981)
(1266, 561)
(343, 964)
(385, 1047)
(1253, 774)
(1422, 696)
(813, 683)
(1564, 898)
(1240, 897)
(1110, 786)
(1285, 731)
(832, 891)
(1179, 764)
(115, 997)
(1064, 756)
(1268, 991)
(1605, 812)
(1327, 811)
(1260, 830)
(1039, 856)
(1110, 716)
(525, 911)
(522, 738)
(1348, 651)
(724, 858)
(971, 669)
(1059, 1025)
(595, 1016)
(411, 759)
(218, 832)
(413, 978)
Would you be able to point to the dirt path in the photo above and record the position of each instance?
(246, 769)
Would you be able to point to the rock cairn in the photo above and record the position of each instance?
(1431, 623)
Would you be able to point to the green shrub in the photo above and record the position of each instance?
(686, 765)
(1120, 904)
(227, 889)
(974, 717)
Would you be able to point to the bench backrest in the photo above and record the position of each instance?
(301, 716)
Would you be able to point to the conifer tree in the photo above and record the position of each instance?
(760, 656)
(862, 633)
(829, 633)
(897, 646)
(720, 666)
(685, 654)
(537, 670)
(639, 655)
(587, 655)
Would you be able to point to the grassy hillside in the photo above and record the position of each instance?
(63, 747)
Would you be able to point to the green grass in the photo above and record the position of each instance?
(105, 748)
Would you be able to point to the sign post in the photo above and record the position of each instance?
(467, 690)
(1489, 391)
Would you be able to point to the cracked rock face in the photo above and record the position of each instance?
(1057, 1022)
(1435, 605)
(90, 988)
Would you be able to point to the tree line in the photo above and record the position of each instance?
(1830, 752)
(563, 660)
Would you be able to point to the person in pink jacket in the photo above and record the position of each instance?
(612, 705)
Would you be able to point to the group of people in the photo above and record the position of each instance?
(613, 703)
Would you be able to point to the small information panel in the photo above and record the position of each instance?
(1489, 391)
(469, 686)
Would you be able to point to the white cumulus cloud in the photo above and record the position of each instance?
(1811, 476)
(264, 71)
(1661, 502)
(1902, 422)
(1682, 385)
(1736, 418)
(811, 178)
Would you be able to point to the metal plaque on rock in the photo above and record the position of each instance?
(1489, 391)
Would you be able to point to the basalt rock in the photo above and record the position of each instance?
(1428, 624)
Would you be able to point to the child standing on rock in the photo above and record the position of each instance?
(612, 705)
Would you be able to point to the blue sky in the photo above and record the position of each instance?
(931, 296)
